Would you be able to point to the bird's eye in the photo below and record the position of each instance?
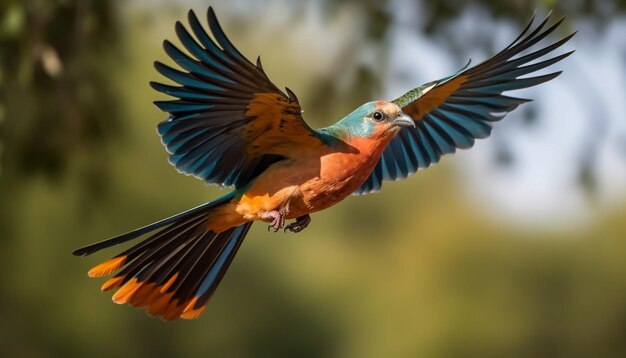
(378, 116)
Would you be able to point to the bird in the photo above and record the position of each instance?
(229, 125)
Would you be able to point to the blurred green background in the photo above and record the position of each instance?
(449, 263)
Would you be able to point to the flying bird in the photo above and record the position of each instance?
(229, 125)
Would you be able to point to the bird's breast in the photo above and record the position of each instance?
(340, 175)
(305, 185)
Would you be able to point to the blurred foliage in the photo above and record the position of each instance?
(56, 97)
(519, 10)
(57, 105)
(417, 271)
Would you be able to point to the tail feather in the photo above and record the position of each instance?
(175, 271)
(90, 249)
(214, 275)
(175, 240)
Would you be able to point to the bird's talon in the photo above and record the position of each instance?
(300, 224)
(278, 219)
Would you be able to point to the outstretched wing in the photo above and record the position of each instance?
(452, 112)
(229, 122)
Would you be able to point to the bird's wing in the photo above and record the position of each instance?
(454, 111)
(229, 121)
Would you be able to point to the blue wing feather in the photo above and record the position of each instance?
(210, 54)
(183, 93)
(425, 154)
(186, 79)
(204, 132)
(193, 66)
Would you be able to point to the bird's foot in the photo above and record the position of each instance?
(277, 217)
(300, 224)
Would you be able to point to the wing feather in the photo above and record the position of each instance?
(454, 111)
(228, 121)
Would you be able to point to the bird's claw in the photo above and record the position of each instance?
(278, 219)
(300, 224)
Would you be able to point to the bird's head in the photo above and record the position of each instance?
(377, 120)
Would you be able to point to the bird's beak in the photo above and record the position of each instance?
(403, 120)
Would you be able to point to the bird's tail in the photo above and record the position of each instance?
(174, 271)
